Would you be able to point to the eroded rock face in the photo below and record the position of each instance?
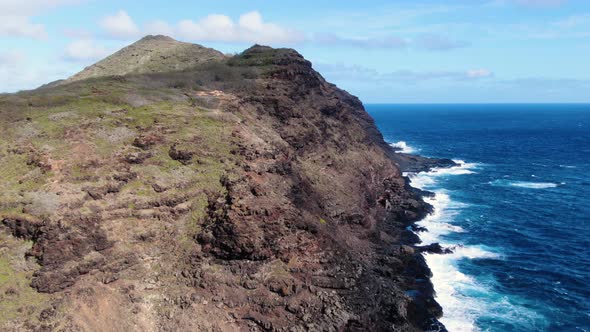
(281, 210)
(65, 253)
(309, 191)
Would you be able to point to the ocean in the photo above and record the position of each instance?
(516, 212)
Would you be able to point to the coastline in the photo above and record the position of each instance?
(420, 174)
(423, 291)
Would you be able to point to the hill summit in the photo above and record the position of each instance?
(151, 54)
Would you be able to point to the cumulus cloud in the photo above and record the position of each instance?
(84, 49)
(252, 28)
(120, 25)
(249, 28)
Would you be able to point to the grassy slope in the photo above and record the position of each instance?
(58, 143)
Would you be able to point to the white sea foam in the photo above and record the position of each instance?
(424, 179)
(449, 283)
(534, 185)
(526, 184)
(459, 312)
(463, 298)
(403, 147)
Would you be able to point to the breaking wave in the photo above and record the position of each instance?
(448, 281)
(403, 147)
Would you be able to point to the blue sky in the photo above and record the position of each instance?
(414, 51)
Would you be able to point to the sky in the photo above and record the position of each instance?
(406, 51)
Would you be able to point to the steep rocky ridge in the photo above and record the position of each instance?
(243, 193)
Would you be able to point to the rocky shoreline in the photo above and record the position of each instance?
(422, 291)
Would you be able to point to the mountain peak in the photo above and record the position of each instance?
(157, 37)
(151, 54)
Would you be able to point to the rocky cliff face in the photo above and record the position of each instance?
(243, 193)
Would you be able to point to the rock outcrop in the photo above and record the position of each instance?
(218, 194)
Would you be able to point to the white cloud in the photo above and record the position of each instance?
(249, 28)
(120, 25)
(25, 73)
(16, 17)
(252, 28)
(84, 49)
(30, 7)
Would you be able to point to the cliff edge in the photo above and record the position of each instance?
(239, 193)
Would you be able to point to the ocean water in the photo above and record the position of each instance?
(517, 211)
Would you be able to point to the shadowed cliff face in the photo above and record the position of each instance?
(242, 193)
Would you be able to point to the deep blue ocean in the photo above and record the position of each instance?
(517, 211)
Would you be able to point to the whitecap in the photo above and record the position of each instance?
(534, 185)
(402, 147)
(567, 166)
(526, 184)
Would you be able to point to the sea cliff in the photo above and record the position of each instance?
(212, 192)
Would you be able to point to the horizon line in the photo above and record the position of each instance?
(477, 103)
